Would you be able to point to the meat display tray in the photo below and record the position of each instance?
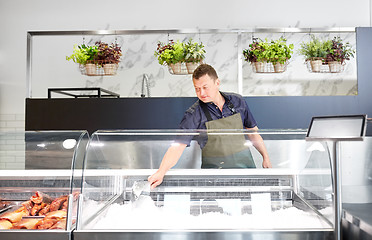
(17, 186)
(42, 184)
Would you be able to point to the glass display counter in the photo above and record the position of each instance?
(40, 183)
(292, 200)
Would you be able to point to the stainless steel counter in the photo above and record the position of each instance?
(357, 221)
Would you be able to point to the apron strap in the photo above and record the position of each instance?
(229, 104)
(205, 110)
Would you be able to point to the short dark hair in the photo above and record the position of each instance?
(204, 69)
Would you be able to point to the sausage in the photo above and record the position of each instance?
(41, 197)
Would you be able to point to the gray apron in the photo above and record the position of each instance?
(225, 151)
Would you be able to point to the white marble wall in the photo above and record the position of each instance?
(50, 69)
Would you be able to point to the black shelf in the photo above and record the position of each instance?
(100, 92)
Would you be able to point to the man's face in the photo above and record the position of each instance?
(206, 88)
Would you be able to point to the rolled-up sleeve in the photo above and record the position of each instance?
(249, 120)
(190, 121)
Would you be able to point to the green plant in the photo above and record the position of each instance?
(315, 48)
(273, 51)
(339, 51)
(100, 53)
(107, 53)
(170, 53)
(193, 51)
(82, 54)
(278, 51)
(256, 51)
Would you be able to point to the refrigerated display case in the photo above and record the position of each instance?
(40, 183)
(292, 200)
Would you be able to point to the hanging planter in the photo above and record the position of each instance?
(181, 58)
(176, 68)
(280, 67)
(90, 69)
(99, 68)
(316, 64)
(110, 68)
(194, 55)
(100, 59)
(315, 52)
(335, 67)
(337, 55)
(259, 67)
(328, 56)
(268, 57)
(268, 67)
(191, 67)
(172, 55)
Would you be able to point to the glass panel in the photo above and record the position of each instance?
(116, 194)
(356, 171)
(38, 187)
(315, 186)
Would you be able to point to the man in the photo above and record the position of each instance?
(216, 110)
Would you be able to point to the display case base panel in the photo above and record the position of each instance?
(357, 221)
(206, 235)
(35, 234)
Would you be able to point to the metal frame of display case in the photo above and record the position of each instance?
(231, 234)
(25, 234)
(239, 32)
(336, 171)
(15, 184)
(300, 196)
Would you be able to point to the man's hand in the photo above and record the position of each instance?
(156, 179)
(170, 159)
(266, 163)
(258, 143)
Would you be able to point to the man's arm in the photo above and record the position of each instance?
(170, 159)
(259, 144)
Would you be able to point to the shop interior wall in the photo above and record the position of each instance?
(45, 15)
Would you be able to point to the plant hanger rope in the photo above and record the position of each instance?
(283, 35)
(200, 37)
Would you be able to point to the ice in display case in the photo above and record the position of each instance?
(40, 183)
(292, 200)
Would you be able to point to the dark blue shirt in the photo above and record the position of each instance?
(195, 118)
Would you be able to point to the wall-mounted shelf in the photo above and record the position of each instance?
(194, 30)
